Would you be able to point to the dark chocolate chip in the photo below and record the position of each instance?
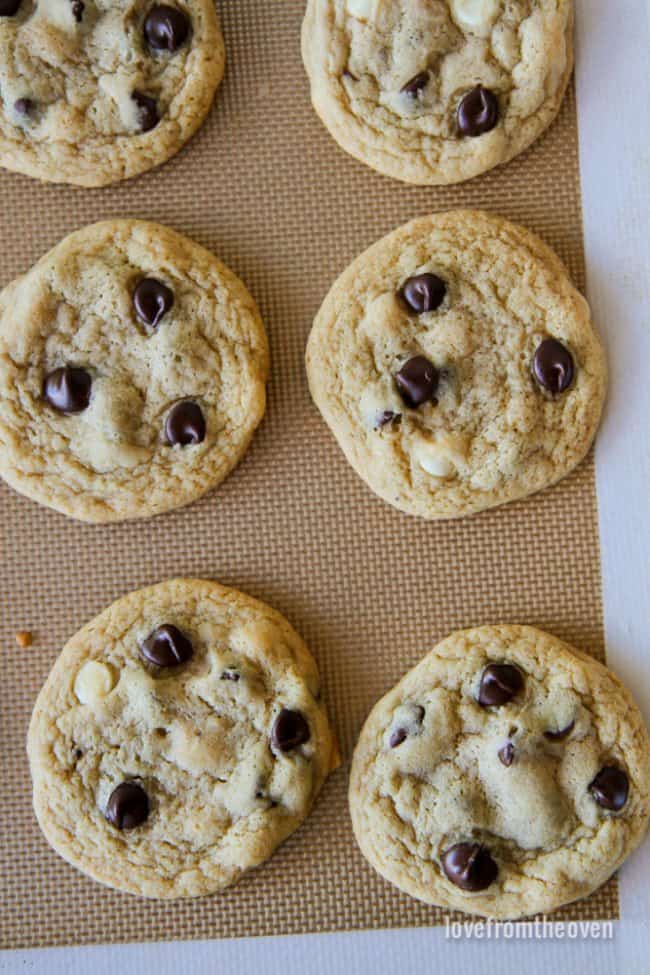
(166, 28)
(416, 84)
(24, 107)
(185, 424)
(8, 8)
(400, 734)
(166, 646)
(230, 674)
(386, 418)
(417, 381)
(263, 795)
(610, 788)
(128, 806)
(397, 737)
(152, 299)
(349, 75)
(424, 292)
(562, 733)
(553, 366)
(499, 684)
(68, 389)
(290, 729)
(469, 866)
(78, 7)
(478, 112)
(507, 754)
(148, 116)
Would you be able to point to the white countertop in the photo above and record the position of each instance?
(613, 79)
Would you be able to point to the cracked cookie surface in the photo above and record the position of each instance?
(506, 774)
(178, 740)
(133, 366)
(93, 91)
(437, 91)
(457, 366)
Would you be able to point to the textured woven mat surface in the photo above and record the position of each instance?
(370, 589)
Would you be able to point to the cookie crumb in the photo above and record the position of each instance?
(24, 638)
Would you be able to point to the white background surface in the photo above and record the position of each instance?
(613, 78)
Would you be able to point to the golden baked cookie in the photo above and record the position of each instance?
(178, 740)
(95, 91)
(437, 91)
(457, 366)
(133, 366)
(505, 775)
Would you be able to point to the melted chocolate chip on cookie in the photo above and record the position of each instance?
(166, 646)
(416, 84)
(424, 292)
(417, 381)
(469, 866)
(387, 418)
(24, 107)
(230, 674)
(290, 730)
(499, 684)
(561, 733)
(152, 299)
(400, 734)
(67, 389)
(478, 112)
(148, 116)
(507, 754)
(185, 424)
(9, 8)
(166, 28)
(610, 788)
(553, 366)
(128, 806)
(397, 737)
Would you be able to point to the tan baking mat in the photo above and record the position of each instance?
(370, 589)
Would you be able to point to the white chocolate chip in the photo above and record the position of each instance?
(441, 457)
(93, 682)
(475, 16)
(364, 9)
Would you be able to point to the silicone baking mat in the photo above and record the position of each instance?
(370, 589)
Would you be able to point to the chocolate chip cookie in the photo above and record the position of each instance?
(457, 366)
(505, 775)
(437, 91)
(93, 91)
(132, 373)
(178, 740)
